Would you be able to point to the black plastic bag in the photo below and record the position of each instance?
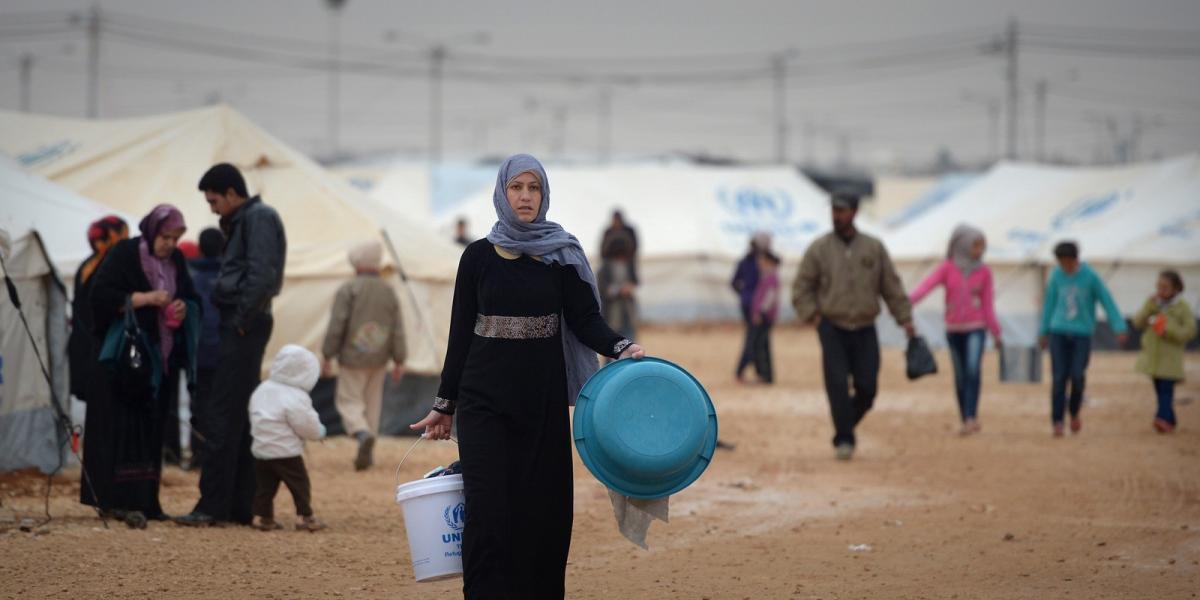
(919, 359)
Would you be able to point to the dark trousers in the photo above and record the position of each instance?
(849, 355)
(756, 350)
(227, 478)
(269, 472)
(1069, 356)
(1165, 390)
(966, 353)
(747, 356)
(760, 346)
(168, 394)
(198, 402)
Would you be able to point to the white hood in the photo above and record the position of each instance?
(297, 367)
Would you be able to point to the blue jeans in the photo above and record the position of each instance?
(1069, 356)
(1165, 390)
(966, 352)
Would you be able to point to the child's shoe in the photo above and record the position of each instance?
(1163, 426)
(266, 524)
(1058, 430)
(1076, 424)
(309, 524)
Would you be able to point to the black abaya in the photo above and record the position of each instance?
(506, 373)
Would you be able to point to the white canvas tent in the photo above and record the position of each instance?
(42, 234)
(29, 434)
(1129, 222)
(133, 164)
(693, 224)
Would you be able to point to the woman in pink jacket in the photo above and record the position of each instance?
(970, 314)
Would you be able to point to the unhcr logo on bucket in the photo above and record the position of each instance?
(455, 516)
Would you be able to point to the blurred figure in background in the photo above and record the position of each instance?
(970, 314)
(745, 282)
(842, 277)
(1168, 326)
(365, 331)
(618, 287)
(764, 310)
(81, 349)
(460, 232)
(620, 230)
(204, 271)
(1068, 322)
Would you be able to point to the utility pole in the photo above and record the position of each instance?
(26, 80)
(335, 48)
(779, 71)
(93, 82)
(1040, 115)
(559, 143)
(1010, 49)
(843, 159)
(437, 60)
(810, 151)
(604, 126)
(993, 108)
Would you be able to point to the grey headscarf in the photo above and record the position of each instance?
(961, 241)
(552, 243)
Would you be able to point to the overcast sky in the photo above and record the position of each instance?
(882, 83)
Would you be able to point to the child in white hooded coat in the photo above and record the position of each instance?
(281, 418)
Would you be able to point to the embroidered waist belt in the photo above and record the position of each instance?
(516, 328)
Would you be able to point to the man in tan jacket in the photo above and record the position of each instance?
(365, 331)
(842, 277)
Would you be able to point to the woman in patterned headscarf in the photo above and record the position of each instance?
(123, 443)
(525, 331)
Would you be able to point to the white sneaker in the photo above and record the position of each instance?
(845, 451)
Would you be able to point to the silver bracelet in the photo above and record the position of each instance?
(444, 406)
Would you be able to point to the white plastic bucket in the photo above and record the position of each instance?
(434, 515)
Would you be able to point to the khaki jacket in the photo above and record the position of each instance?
(843, 282)
(1162, 355)
(365, 328)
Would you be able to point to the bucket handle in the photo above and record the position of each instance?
(396, 478)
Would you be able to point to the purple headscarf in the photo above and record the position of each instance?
(160, 272)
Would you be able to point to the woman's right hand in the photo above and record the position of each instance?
(437, 425)
(158, 298)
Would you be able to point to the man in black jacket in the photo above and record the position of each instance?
(251, 275)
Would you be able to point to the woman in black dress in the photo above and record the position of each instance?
(525, 330)
(123, 431)
(81, 355)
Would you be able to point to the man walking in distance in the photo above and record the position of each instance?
(251, 275)
(842, 277)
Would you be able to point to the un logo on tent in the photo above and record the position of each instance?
(756, 203)
(455, 516)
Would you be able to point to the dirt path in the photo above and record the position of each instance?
(1011, 513)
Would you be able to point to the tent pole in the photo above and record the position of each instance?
(427, 328)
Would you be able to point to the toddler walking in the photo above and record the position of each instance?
(281, 418)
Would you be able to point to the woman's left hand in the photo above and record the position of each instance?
(633, 351)
(180, 308)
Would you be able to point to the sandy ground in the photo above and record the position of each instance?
(1011, 513)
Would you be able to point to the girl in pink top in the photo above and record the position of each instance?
(970, 314)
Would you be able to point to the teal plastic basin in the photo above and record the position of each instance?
(645, 428)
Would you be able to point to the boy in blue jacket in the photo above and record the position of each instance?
(1068, 321)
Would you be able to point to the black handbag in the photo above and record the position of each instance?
(919, 360)
(127, 354)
